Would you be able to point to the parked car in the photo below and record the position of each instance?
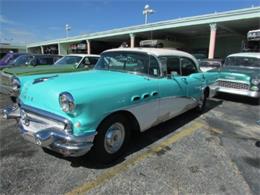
(130, 89)
(240, 75)
(69, 63)
(9, 57)
(210, 64)
(33, 60)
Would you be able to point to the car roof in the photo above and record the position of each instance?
(246, 54)
(83, 55)
(156, 51)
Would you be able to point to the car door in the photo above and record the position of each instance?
(193, 78)
(144, 98)
(173, 89)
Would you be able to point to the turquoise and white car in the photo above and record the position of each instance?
(240, 75)
(130, 89)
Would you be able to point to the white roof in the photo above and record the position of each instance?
(156, 51)
(83, 55)
(246, 54)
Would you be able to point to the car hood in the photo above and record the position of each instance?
(239, 73)
(43, 69)
(84, 86)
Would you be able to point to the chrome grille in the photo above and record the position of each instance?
(5, 79)
(34, 123)
(233, 85)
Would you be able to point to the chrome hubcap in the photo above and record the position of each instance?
(114, 138)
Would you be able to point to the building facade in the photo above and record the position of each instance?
(216, 35)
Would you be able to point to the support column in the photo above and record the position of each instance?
(60, 49)
(132, 40)
(42, 50)
(88, 47)
(212, 41)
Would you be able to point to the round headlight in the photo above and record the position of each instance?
(255, 81)
(16, 84)
(66, 102)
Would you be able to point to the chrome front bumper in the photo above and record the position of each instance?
(242, 92)
(11, 112)
(61, 142)
(46, 131)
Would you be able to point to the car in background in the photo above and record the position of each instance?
(33, 60)
(240, 75)
(9, 57)
(69, 63)
(210, 64)
(130, 89)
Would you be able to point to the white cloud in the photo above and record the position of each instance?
(17, 35)
(4, 20)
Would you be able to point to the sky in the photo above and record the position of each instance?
(25, 21)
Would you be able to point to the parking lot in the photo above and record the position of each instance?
(213, 153)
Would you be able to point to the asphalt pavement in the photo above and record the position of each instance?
(212, 153)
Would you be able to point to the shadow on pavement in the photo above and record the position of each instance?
(144, 139)
(238, 99)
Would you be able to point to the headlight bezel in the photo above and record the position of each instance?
(67, 102)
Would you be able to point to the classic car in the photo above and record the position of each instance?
(9, 57)
(210, 64)
(33, 60)
(69, 63)
(240, 75)
(130, 89)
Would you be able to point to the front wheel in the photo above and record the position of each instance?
(111, 140)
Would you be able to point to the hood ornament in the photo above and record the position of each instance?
(43, 79)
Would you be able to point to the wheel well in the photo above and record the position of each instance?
(130, 117)
(206, 91)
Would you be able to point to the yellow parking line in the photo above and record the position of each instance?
(131, 162)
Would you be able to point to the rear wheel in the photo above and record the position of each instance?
(111, 140)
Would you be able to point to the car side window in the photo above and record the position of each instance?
(43, 61)
(154, 68)
(93, 61)
(187, 67)
(170, 64)
(173, 65)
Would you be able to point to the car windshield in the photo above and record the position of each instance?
(124, 61)
(69, 60)
(9, 57)
(22, 60)
(242, 61)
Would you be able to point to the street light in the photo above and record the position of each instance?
(67, 29)
(147, 11)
